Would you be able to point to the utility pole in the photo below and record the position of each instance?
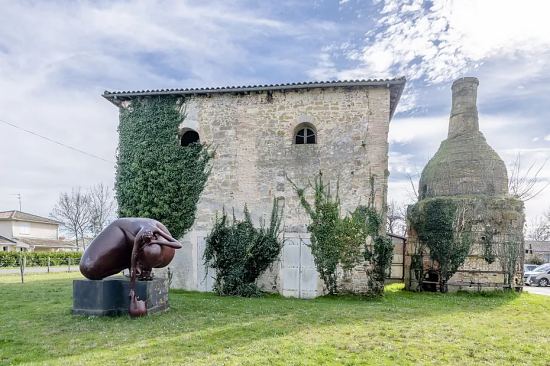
(18, 195)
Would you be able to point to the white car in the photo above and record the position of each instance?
(532, 276)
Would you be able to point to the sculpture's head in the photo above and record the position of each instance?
(148, 236)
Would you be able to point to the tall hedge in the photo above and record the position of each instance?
(156, 177)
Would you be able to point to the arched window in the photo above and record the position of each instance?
(190, 137)
(305, 134)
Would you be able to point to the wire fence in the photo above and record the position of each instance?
(23, 262)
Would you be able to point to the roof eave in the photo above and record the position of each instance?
(397, 83)
(53, 222)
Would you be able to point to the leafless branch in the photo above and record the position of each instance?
(539, 228)
(396, 214)
(72, 210)
(523, 185)
(101, 207)
(413, 192)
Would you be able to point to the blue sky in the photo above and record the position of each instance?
(57, 57)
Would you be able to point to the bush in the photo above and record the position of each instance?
(442, 227)
(39, 259)
(534, 259)
(240, 253)
(339, 241)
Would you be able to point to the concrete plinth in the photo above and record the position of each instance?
(109, 297)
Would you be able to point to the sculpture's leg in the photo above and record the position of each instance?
(146, 274)
(137, 307)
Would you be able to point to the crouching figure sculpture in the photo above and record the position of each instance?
(139, 244)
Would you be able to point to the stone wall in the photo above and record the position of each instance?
(253, 134)
(495, 226)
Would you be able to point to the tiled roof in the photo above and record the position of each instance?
(3, 239)
(538, 246)
(23, 216)
(396, 86)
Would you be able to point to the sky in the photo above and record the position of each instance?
(57, 58)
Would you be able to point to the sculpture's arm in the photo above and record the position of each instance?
(133, 258)
(170, 241)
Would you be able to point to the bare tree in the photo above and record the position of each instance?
(101, 207)
(396, 218)
(539, 228)
(72, 209)
(525, 185)
(413, 191)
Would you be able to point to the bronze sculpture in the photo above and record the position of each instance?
(139, 244)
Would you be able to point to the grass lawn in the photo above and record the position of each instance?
(36, 327)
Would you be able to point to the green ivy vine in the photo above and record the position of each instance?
(155, 176)
(441, 226)
(487, 241)
(240, 252)
(344, 241)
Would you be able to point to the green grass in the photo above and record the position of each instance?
(36, 327)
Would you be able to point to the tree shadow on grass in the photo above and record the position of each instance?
(201, 324)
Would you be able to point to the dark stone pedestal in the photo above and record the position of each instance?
(110, 296)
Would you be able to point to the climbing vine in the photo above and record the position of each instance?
(442, 227)
(155, 176)
(344, 241)
(379, 253)
(487, 242)
(509, 253)
(240, 252)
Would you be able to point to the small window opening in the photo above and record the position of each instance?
(305, 135)
(190, 137)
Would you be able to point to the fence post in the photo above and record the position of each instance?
(69, 269)
(48, 264)
(22, 263)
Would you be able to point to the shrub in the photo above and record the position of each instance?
(534, 259)
(39, 259)
(240, 253)
(339, 241)
(441, 226)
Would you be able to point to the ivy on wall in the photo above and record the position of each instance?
(442, 227)
(155, 176)
(448, 227)
(345, 241)
(240, 252)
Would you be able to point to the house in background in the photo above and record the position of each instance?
(539, 249)
(21, 231)
(10, 245)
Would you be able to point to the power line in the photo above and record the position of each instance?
(57, 142)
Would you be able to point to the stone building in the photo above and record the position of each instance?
(484, 221)
(264, 134)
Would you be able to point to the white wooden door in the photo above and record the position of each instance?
(299, 276)
(205, 276)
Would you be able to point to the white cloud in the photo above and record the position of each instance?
(547, 138)
(439, 41)
(56, 58)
